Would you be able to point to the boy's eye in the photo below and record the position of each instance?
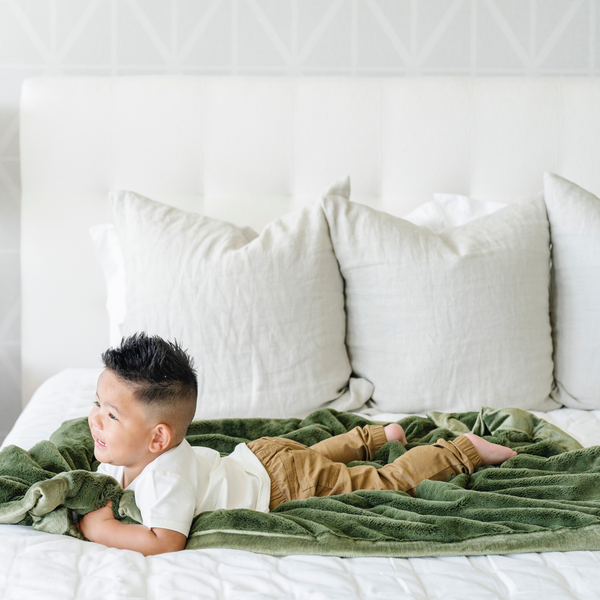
(112, 416)
(96, 403)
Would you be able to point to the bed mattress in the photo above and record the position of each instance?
(40, 565)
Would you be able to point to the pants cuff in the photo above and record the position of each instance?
(379, 437)
(464, 444)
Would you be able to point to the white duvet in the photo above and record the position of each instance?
(39, 565)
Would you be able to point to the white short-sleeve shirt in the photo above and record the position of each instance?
(188, 480)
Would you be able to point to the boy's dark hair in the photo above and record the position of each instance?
(161, 374)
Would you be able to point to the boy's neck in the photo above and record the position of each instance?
(131, 473)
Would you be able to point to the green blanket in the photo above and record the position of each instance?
(547, 498)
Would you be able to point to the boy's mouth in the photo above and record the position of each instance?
(99, 443)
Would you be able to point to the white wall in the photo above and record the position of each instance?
(261, 37)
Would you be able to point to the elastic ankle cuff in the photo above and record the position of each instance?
(463, 443)
(379, 437)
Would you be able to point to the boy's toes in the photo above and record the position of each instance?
(395, 433)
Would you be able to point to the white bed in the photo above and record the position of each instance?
(67, 568)
(248, 151)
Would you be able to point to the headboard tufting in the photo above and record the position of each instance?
(248, 150)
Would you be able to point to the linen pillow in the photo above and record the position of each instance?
(445, 210)
(263, 319)
(451, 321)
(451, 210)
(574, 216)
(109, 255)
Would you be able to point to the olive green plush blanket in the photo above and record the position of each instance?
(547, 498)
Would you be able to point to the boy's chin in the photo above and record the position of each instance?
(101, 455)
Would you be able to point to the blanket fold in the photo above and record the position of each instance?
(547, 498)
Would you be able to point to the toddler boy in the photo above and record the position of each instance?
(145, 401)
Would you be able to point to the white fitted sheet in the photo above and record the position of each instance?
(40, 565)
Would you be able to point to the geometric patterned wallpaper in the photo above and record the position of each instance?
(261, 37)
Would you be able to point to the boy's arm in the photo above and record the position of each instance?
(102, 527)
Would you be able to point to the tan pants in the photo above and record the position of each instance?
(298, 472)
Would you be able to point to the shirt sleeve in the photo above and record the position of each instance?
(165, 500)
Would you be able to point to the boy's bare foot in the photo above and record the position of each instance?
(395, 433)
(490, 454)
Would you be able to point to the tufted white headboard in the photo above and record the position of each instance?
(247, 150)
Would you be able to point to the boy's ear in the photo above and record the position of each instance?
(161, 439)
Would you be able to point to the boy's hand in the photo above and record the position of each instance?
(91, 524)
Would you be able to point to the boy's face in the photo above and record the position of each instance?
(121, 429)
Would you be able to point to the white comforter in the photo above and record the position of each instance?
(39, 565)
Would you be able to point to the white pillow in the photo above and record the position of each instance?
(445, 210)
(451, 210)
(263, 319)
(447, 322)
(109, 255)
(574, 216)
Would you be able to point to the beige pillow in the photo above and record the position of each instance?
(263, 318)
(574, 216)
(451, 321)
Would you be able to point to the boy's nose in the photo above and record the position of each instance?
(96, 421)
